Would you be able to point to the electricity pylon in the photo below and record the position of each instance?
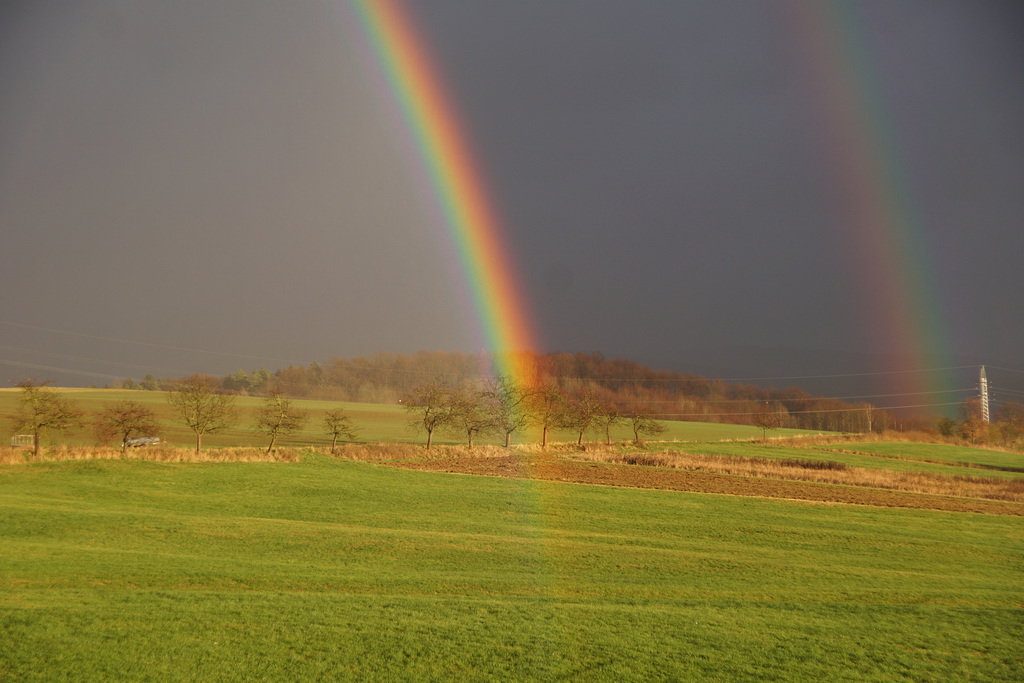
(983, 388)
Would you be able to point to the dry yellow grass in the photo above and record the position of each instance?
(892, 436)
(825, 472)
(17, 456)
(393, 452)
(821, 472)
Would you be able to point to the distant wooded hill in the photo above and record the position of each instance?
(387, 377)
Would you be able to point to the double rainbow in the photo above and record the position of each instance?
(900, 297)
(484, 256)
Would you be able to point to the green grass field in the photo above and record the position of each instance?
(997, 460)
(891, 456)
(329, 569)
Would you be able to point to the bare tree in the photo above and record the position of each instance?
(546, 409)
(201, 407)
(41, 409)
(581, 413)
(431, 403)
(125, 420)
(643, 423)
(507, 400)
(869, 417)
(277, 417)
(607, 417)
(469, 412)
(337, 423)
(766, 417)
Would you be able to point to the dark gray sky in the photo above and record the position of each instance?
(212, 185)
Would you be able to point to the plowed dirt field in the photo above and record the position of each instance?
(554, 468)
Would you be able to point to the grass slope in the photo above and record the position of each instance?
(894, 456)
(330, 569)
(942, 453)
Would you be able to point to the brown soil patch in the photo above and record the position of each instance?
(553, 468)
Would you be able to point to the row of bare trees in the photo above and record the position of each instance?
(386, 377)
(197, 401)
(504, 407)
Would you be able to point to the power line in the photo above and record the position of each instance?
(761, 379)
(167, 347)
(850, 374)
(852, 409)
(364, 368)
(392, 371)
(812, 412)
(607, 379)
(810, 397)
(50, 368)
(86, 359)
(996, 367)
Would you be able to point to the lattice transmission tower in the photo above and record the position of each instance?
(983, 390)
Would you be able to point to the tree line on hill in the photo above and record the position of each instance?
(198, 402)
(505, 407)
(619, 383)
(473, 407)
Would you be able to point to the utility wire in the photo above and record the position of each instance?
(86, 359)
(51, 368)
(608, 379)
(849, 374)
(149, 344)
(996, 367)
(391, 371)
(810, 397)
(366, 366)
(810, 412)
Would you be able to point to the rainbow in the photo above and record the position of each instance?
(901, 300)
(474, 229)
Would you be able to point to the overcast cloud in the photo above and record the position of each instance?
(230, 177)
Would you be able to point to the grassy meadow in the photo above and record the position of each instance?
(331, 569)
(996, 461)
(324, 568)
(892, 456)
